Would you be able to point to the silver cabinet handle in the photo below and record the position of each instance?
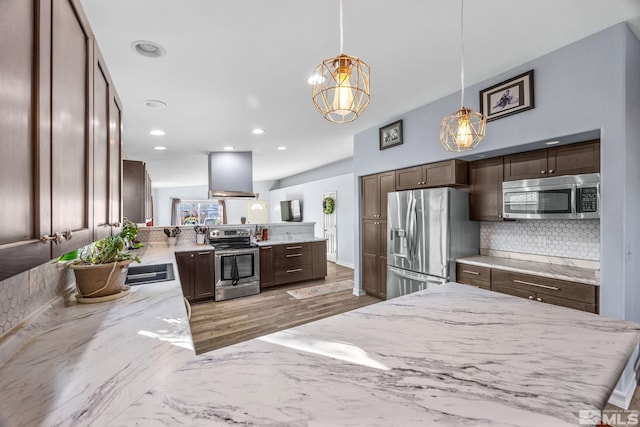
(294, 247)
(471, 272)
(539, 299)
(293, 255)
(114, 224)
(551, 170)
(531, 297)
(543, 171)
(266, 247)
(55, 238)
(67, 235)
(294, 270)
(553, 288)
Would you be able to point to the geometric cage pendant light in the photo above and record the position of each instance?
(341, 86)
(464, 129)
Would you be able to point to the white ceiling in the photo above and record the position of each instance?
(232, 66)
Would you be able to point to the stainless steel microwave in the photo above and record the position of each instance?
(562, 197)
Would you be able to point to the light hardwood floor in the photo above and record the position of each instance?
(220, 324)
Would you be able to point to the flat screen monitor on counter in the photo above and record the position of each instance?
(290, 210)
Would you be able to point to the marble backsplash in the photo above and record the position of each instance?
(557, 238)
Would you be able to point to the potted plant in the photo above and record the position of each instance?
(101, 268)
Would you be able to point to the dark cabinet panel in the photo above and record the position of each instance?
(485, 198)
(370, 196)
(532, 164)
(196, 274)
(24, 189)
(374, 251)
(71, 151)
(574, 159)
(101, 181)
(267, 276)
(115, 162)
(451, 173)
(319, 259)
(370, 273)
(136, 191)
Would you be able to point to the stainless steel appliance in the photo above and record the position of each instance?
(562, 197)
(237, 263)
(427, 230)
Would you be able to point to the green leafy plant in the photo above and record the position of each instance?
(111, 248)
(328, 205)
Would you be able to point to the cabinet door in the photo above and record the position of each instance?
(370, 197)
(24, 210)
(370, 273)
(319, 259)
(267, 276)
(115, 162)
(133, 190)
(382, 259)
(532, 164)
(409, 178)
(485, 198)
(101, 142)
(574, 159)
(203, 276)
(452, 172)
(186, 264)
(386, 184)
(71, 153)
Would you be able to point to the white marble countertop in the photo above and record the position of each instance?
(555, 271)
(452, 356)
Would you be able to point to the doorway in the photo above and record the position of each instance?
(329, 223)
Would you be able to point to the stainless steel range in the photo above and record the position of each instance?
(237, 263)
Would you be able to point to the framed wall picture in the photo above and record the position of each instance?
(509, 97)
(391, 135)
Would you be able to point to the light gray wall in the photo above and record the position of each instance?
(340, 167)
(587, 86)
(310, 193)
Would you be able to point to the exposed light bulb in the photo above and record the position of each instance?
(343, 94)
(464, 137)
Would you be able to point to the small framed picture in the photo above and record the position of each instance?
(391, 135)
(509, 97)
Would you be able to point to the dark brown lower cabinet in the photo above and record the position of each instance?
(196, 274)
(267, 276)
(292, 262)
(374, 257)
(579, 296)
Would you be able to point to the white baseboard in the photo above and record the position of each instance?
(344, 264)
(359, 292)
(622, 399)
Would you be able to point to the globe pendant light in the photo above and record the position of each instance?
(464, 129)
(341, 86)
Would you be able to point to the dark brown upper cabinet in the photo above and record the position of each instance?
(485, 196)
(450, 173)
(570, 159)
(375, 190)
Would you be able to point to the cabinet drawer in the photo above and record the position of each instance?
(293, 274)
(552, 287)
(292, 255)
(472, 272)
(512, 291)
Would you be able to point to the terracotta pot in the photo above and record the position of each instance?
(101, 279)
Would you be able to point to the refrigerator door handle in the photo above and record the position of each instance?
(414, 233)
(408, 225)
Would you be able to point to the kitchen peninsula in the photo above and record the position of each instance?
(454, 355)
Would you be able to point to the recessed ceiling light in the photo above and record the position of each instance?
(152, 103)
(257, 131)
(228, 148)
(149, 49)
(552, 142)
(315, 79)
(282, 148)
(157, 132)
(159, 148)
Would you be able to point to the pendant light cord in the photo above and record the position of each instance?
(341, 29)
(461, 53)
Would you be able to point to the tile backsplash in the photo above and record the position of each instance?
(561, 238)
(25, 293)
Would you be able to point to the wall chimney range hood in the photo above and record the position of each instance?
(231, 175)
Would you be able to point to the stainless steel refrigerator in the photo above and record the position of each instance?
(427, 230)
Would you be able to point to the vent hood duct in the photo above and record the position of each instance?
(231, 175)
